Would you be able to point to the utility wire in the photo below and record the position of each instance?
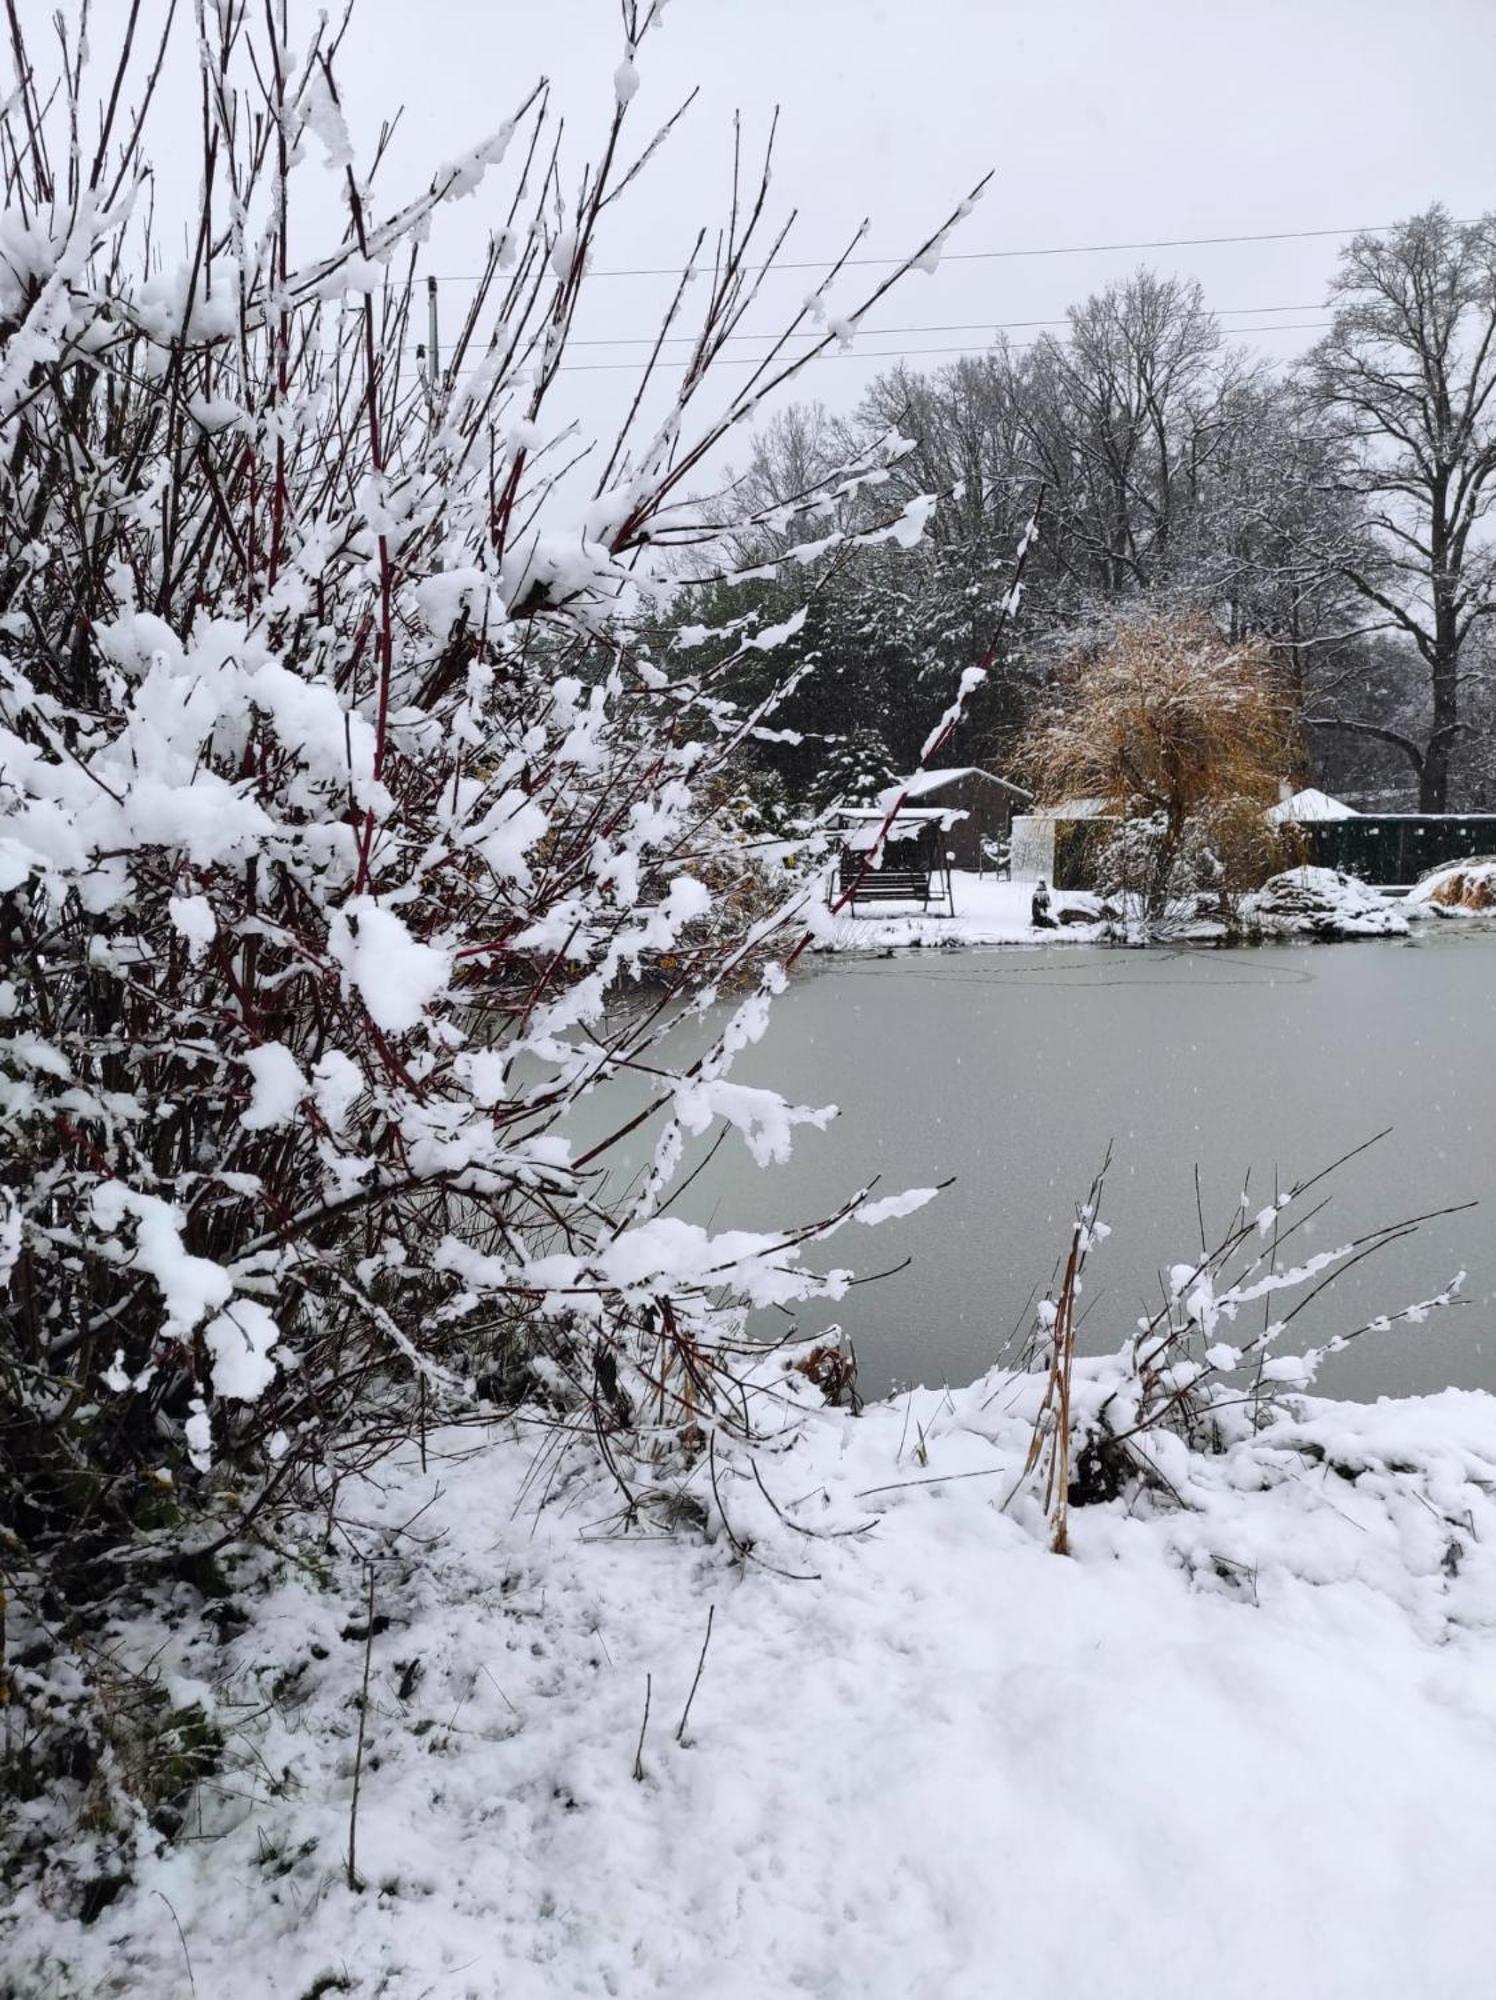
(985, 256)
(955, 326)
(888, 332)
(864, 354)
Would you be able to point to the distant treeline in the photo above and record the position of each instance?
(1336, 512)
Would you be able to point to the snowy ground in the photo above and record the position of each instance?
(988, 911)
(1303, 902)
(1243, 1747)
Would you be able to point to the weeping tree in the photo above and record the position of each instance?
(1182, 734)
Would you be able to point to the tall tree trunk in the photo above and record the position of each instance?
(1433, 782)
(1433, 788)
(1433, 779)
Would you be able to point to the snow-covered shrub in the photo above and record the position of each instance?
(1151, 877)
(1457, 886)
(1322, 903)
(1169, 883)
(1210, 1368)
(337, 803)
(857, 769)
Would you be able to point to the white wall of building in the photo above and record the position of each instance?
(1032, 855)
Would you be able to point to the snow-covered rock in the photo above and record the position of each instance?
(1318, 902)
(1457, 888)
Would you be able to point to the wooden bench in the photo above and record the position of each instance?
(886, 885)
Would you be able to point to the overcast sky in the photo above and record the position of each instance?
(1105, 120)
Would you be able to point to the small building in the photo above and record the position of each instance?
(1310, 807)
(1060, 844)
(984, 805)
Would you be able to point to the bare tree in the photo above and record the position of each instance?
(1405, 380)
(1123, 419)
(1176, 472)
(967, 427)
(796, 453)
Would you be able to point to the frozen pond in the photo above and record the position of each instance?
(1013, 1070)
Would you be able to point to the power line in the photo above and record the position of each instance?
(984, 256)
(866, 354)
(888, 332)
(871, 353)
(956, 326)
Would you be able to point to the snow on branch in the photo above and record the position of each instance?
(352, 842)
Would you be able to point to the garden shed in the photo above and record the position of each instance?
(1060, 844)
(985, 802)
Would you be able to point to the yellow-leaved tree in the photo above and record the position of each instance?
(1181, 734)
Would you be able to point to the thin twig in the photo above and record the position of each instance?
(182, 1937)
(639, 1752)
(680, 1733)
(363, 1719)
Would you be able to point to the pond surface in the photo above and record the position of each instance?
(1014, 1070)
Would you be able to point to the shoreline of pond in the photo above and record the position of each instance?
(995, 914)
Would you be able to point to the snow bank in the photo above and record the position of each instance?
(988, 912)
(1318, 902)
(1460, 887)
(1242, 1746)
(1304, 902)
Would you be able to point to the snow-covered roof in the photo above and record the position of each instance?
(922, 782)
(865, 823)
(905, 812)
(1310, 804)
(1074, 809)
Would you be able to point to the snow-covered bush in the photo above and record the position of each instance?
(1171, 884)
(1213, 1366)
(1156, 880)
(1458, 886)
(1322, 903)
(337, 803)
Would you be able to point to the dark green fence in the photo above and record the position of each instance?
(1384, 848)
(1394, 847)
